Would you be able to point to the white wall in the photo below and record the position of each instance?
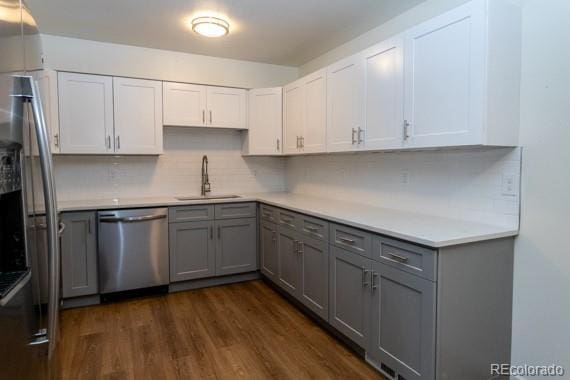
(72, 54)
(176, 172)
(462, 184)
(417, 14)
(541, 313)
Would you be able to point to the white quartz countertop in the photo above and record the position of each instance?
(429, 230)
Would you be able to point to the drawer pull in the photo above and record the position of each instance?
(396, 257)
(364, 275)
(374, 284)
(286, 220)
(346, 240)
(312, 229)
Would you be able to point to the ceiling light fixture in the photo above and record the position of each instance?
(209, 26)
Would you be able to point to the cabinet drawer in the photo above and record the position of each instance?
(190, 213)
(313, 227)
(268, 213)
(408, 257)
(287, 219)
(351, 239)
(235, 210)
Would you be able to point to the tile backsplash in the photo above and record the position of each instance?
(176, 172)
(467, 184)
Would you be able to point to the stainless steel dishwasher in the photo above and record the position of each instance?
(133, 249)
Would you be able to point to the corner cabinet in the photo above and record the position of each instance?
(304, 107)
(265, 129)
(79, 276)
(191, 105)
(106, 115)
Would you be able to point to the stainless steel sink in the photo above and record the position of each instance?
(206, 197)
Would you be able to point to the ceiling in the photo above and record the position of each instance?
(284, 32)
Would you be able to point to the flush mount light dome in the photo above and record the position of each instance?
(209, 26)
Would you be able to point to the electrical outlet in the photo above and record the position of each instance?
(509, 185)
(405, 177)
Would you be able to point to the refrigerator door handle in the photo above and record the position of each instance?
(31, 93)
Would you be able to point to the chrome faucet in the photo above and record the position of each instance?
(205, 180)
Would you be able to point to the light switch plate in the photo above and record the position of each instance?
(509, 185)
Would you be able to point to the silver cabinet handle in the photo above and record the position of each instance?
(353, 136)
(301, 247)
(203, 116)
(297, 142)
(278, 145)
(62, 228)
(346, 240)
(219, 232)
(210, 116)
(396, 257)
(118, 142)
(131, 219)
(360, 138)
(311, 229)
(108, 141)
(302, 141)
(374, 284)
(56, 140)
(406, 130)
(364, 276)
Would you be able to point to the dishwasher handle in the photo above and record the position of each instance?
(131, 219)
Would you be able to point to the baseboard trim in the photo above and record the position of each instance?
(212, 281)
(72, 303)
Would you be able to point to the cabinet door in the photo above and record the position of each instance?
(79, 255)
(345, 105)
(268, 245)
(315, 125)
(138, 116)
(184, 104)
(403, 322)
(444, 78)
(384, 117)
(265, 121)
(293, 116)
(288, 268)
(192, 250)
(350, 294)
(85, 113)
(226, 107)
(236, 246)
(47, 83)
(314, 285)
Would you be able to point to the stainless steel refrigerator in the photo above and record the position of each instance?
(29, 226)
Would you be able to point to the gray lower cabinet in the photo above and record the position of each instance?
(288, 260)
(268, 248)
(402, 331)
(192, 250)
(79, 255)
(314, 283)
(236, 246)
(350, 298)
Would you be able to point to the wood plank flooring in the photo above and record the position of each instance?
(243, 330)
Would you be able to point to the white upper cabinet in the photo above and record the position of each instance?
(226, 107)
(345, 104)
(462, 77)
(138, 116)
(191, 105)
(314, 134)
(293, 117)
(184, 104)
(264, 135)
(47, 84)
(383, 64)
(85, 113)
(304, 108)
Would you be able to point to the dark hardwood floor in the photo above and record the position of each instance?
(244, 330)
